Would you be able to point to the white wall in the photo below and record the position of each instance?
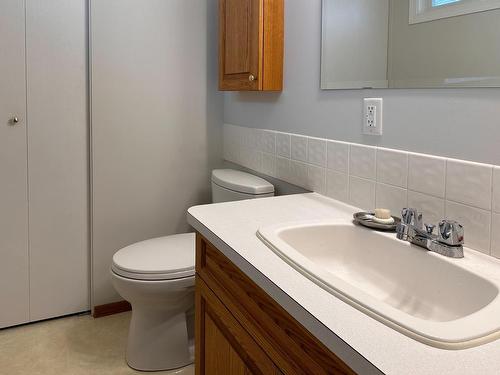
(156, 121)
(460, 123)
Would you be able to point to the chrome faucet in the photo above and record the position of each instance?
(448, 241)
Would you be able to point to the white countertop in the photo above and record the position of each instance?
(366, 345)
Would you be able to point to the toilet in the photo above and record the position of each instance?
(157, 277)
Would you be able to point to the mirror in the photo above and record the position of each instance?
(410, 44)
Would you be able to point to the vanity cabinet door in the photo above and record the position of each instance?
(250, 45)
(223, 346)
(238, 322)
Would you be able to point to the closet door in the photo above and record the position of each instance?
(14, 280)
(56, 37)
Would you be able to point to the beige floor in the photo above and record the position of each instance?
(78, 345)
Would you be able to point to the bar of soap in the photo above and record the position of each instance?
(383, 213)
(389, 221)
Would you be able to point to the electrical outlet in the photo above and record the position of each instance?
(372, 116)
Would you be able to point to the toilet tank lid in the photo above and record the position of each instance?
(241, 182)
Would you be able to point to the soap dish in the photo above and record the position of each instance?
(365, 219)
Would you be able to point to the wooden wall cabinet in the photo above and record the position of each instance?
(251, 34)
(242, 330)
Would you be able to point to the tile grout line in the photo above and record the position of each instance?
(376, 178)
(349, 173)
(492, 175)
(446, 189)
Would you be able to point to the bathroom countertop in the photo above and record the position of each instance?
(365, 344)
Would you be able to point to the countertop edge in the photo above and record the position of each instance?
(342, 349)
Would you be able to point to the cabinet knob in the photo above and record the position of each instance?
(252, 78)
(14, 120)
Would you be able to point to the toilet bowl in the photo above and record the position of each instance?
(157, 277)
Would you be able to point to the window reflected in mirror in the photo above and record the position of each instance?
(410, 44)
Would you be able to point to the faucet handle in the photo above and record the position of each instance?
(451, 233)
(410, 216)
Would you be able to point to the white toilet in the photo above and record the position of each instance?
(157, 277)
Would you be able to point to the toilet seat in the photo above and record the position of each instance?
(163, 258)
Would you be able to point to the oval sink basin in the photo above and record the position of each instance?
(443, 302)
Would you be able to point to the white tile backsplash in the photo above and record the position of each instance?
(283, 145)
(362, 193)
(432, 208)
(392, 167)
(469, 183)
(391, 197)
(367, 177)
(252, 138)
(496, 189)
(316, 152)
(316, 179)
(283, 169)
(337, 185)
(251, 159)
(476, 223)
(427, 174)
(298, 173)
(338, 156)
(267, 141)
(495, 235)
(362, 161)
(299, 148)
(268, 164)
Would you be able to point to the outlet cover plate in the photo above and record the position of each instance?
(372, 116)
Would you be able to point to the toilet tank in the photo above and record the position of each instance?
(232, 185)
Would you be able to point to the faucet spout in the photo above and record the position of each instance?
(448, 242)
(402, 232)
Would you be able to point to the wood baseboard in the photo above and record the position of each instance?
(111, 309)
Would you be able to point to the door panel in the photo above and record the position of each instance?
(239, 43)
(237, 53)
(14, 279)
(223, 347)
(58, 157)
(221, 358)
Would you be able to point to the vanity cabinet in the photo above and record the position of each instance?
(240, 329)
(251, 37)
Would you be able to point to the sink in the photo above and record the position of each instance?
(442, 302)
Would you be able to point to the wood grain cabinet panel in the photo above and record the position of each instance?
(223, 347)
(256, 329)
(251, 45)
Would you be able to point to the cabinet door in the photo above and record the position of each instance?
(223, 347)
(14, 280)
(239, 44)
